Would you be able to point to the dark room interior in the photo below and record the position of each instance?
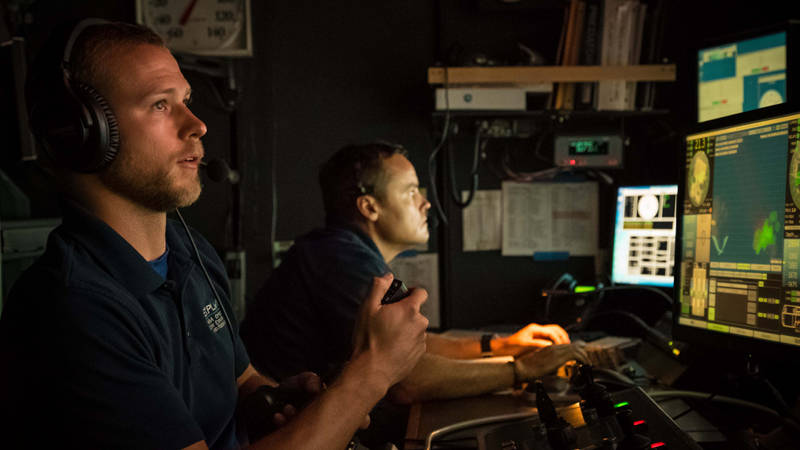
(322, 75)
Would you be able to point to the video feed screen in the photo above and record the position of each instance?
(644, 235)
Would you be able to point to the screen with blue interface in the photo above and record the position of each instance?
(741, 76)
(740, 242)
(644, 235)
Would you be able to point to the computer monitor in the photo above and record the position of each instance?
(644, 236)
(745, 72)
(737, 283)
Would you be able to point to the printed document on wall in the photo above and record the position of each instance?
(421, 270)
(482, 220)
(549, 217)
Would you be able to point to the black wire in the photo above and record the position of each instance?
(785, 409)
(538, 146)
(600, 293)
(564, 277)
(476, 158)
(650, 331)
(213, 289)
(661, 293)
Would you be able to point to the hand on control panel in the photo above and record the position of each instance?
(530, 338)
(547, 360)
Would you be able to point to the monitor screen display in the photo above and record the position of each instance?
(741, 76)
(644, 235)
(740, 232)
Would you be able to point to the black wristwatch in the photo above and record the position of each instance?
(486, 344)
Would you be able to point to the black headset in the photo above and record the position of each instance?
(76, 126)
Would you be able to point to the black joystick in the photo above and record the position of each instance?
(396, 292)
(594, 394)
(560, 434)
(259, 408)
(632, 440)
(596, 405)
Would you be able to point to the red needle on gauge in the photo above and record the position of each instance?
(187, 12)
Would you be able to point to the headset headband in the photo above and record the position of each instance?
(82, 25)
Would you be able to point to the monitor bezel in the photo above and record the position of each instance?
(704, 339)
(614, 235)
(792, 29)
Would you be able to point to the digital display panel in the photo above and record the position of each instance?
(588, 147)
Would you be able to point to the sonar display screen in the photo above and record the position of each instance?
(741, 231)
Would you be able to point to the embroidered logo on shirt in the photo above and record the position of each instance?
(213, 316)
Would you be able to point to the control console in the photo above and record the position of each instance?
(623, 420)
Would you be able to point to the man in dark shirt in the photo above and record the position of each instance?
(119, 335)
(303, 317)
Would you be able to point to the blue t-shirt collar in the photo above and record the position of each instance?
(160, 264)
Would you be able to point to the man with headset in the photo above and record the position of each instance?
(119, 335)
(302, 317)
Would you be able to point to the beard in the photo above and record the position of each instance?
(148, 185)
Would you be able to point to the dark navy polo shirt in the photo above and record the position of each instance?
(104, 353)
(303, 317)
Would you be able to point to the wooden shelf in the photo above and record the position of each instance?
(552, 113)
(517, 75)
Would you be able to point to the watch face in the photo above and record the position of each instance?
(203, 27)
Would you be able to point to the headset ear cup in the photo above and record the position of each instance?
(102, 143)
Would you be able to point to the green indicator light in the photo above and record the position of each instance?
(582, 289)
(621, 404)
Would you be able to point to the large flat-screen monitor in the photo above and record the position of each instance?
(745, 72)
(739, 236)
(644, 236)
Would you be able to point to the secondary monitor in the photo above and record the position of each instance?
(739, 236)
(644, 235)
(746, 72)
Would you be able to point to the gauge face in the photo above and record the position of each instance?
(203, 27)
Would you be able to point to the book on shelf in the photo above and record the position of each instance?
(622, 30)
(652, 41)
(564, 46)
(569, 51)
(589, 53)
(573, 57)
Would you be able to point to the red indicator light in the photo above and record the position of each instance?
(657, 444)
(571, 162)
(638, 422)
(765, 69)
(725, 101)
